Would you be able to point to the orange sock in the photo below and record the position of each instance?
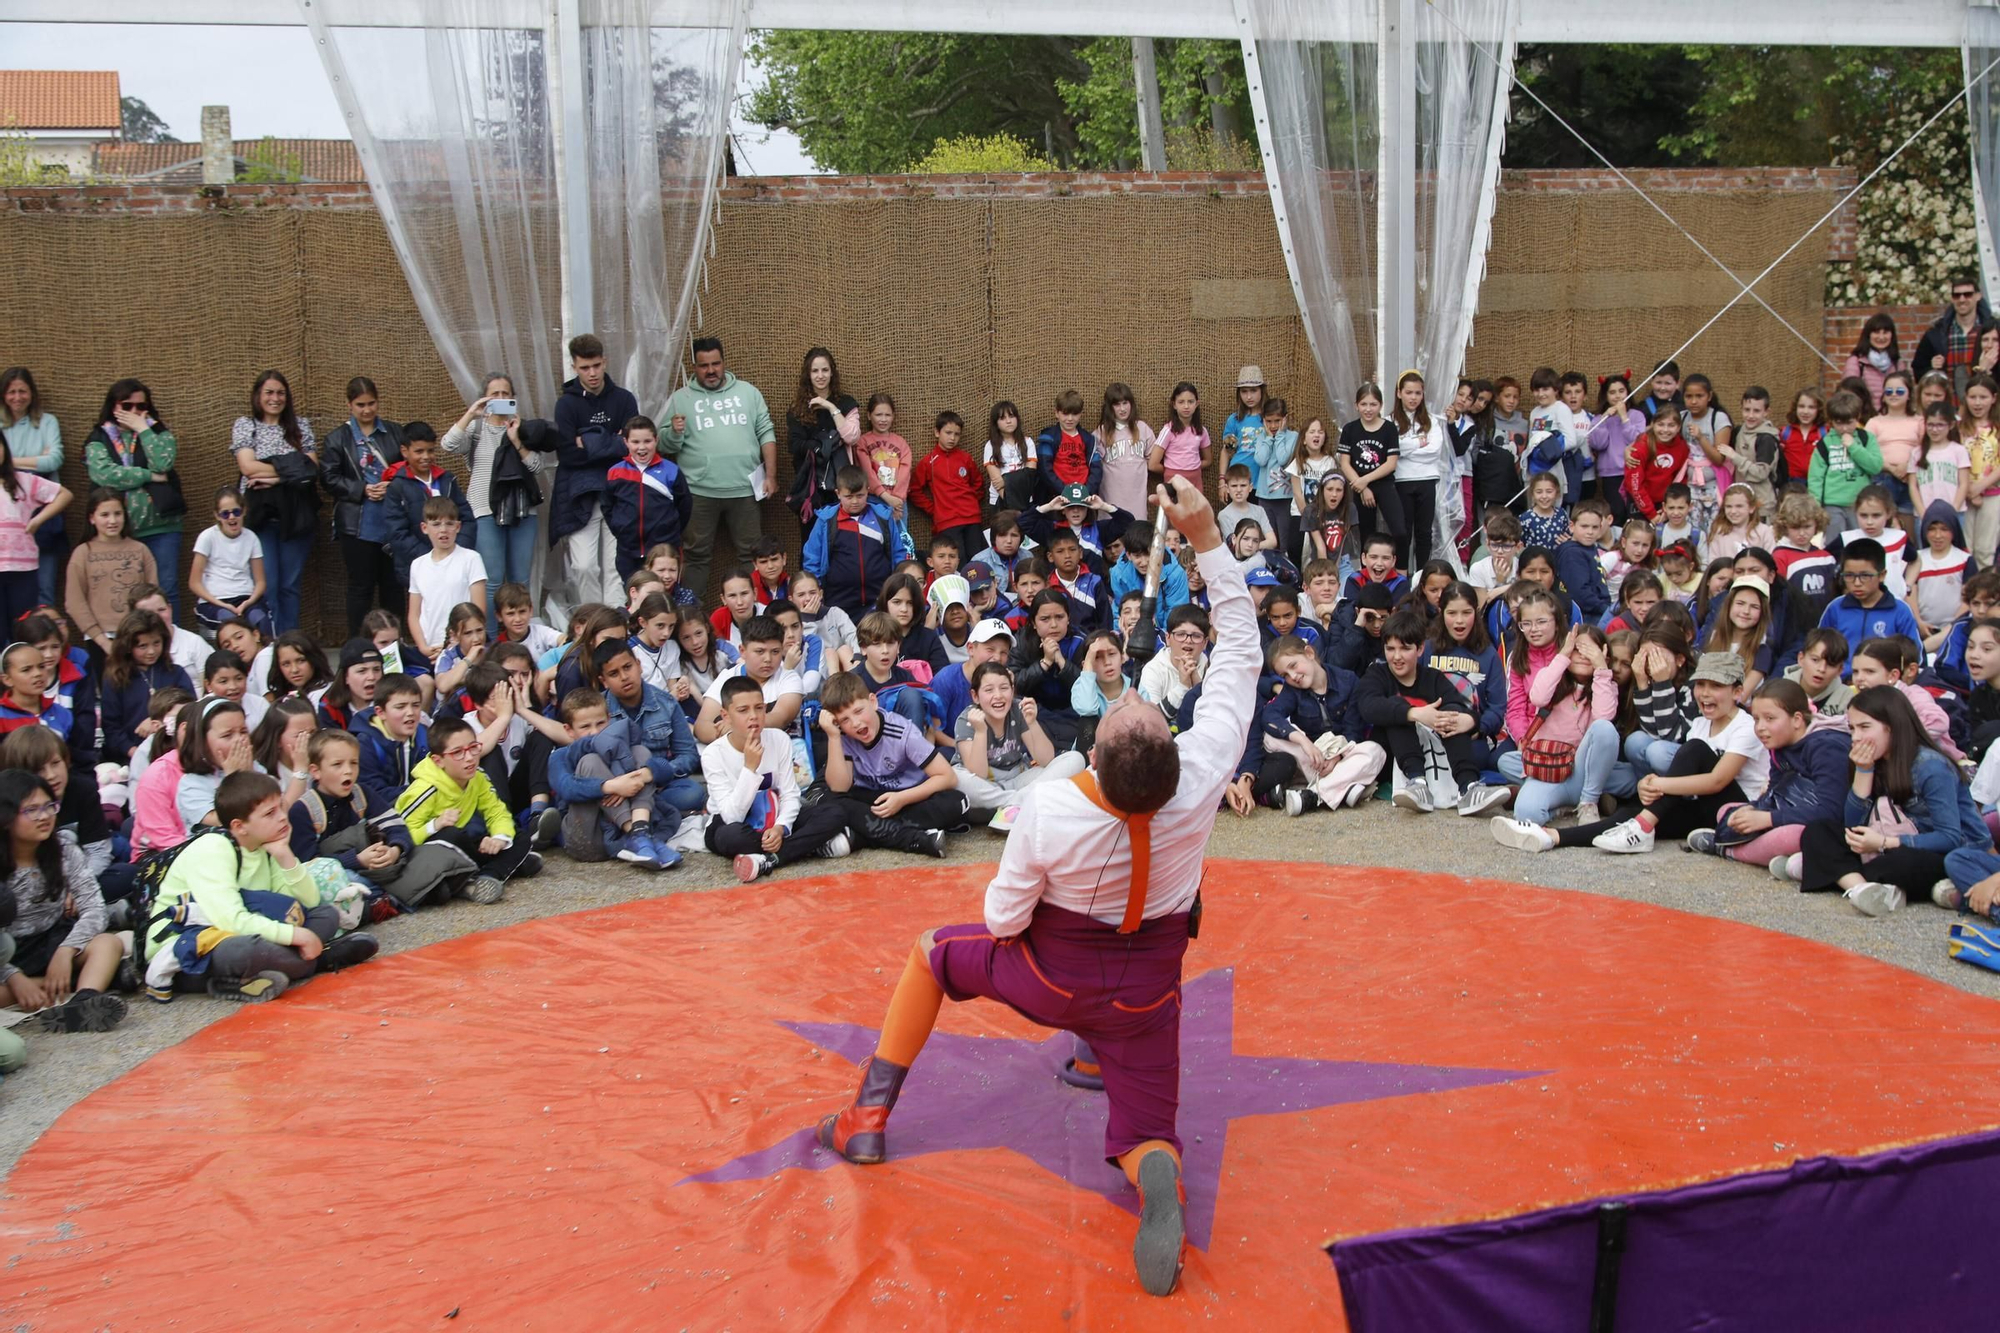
(913, 1012)
(1129, 1162)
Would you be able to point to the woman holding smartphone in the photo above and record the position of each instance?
(502, 534)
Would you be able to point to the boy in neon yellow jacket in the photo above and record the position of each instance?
(451, 799)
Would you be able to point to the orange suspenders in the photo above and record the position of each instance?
(1139, 828)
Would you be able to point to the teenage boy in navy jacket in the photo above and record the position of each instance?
(411, 482)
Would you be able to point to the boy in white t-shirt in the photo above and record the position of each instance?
(755, 815)
(763, 661)
(227, 576)
(450, 574)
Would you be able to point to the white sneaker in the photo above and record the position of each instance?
(1945, 894)
(836, 847)
(1356, 794)
(1415, 795)
(1876, 899)
(1626, 838)
(1589, 812)
(1520, 834)
(1479, 798)
(1787, 866)
(1298, 800)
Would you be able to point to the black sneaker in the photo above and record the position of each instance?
(95, 1012)
(346, 952)
(1299, 800)
(249, 990)
(934, 842)
(544, 826)
(531, 866)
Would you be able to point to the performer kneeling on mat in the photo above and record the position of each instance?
(1090, 913)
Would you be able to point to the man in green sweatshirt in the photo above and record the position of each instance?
(719, 431)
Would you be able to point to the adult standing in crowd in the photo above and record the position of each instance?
(591, 415)
(719, 431)
(279, 459)
(131, 451)
(1952, 343)
(1875, 355)
(34, 442)
(821, 427)
(504, 496)
(358, 454)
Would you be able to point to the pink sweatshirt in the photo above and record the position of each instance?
(1521, 713)
(156, 821)
(1568, 720)
(1933, 717)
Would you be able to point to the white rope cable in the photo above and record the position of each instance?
(1743, 288)
(1843, 202)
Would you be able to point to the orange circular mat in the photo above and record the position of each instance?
(597, 1119)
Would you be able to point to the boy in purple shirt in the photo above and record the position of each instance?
(897, 786)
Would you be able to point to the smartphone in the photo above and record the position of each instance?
(501, 407)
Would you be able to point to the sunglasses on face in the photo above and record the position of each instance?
(1964, 296)
(1895, 393)
(136, 405)
(229, 513)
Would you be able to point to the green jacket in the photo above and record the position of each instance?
(105, 470)
(726, 431)
(1842, 467)
(209, 873)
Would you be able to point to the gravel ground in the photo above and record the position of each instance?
(64, 1069)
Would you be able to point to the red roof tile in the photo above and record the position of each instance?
(59, 99)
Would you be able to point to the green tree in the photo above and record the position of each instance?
(874, 102)
(268, 164)
(972, 154)
(138, 123)
(1628, 101)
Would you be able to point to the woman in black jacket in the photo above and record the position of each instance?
(821, 427)
(352, 462)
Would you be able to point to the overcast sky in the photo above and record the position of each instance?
(270, 78)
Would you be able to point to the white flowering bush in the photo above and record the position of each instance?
(1916, 221)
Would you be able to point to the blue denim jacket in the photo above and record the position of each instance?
(659, 724)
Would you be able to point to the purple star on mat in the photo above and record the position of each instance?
(1002, 1092)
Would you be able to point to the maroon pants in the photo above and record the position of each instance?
(1120, 993)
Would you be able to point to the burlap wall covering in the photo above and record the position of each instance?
(941, 302)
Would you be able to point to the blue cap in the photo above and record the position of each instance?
(1261, 578)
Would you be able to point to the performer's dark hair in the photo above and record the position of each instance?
(1137, 769)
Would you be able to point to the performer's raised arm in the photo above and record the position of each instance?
(1209, 749)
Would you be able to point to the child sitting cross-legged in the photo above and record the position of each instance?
(1570, 702)
(755, 816)
(452, 800)
(335, 819)
(895, 785)
(1424, 723)
(1002, 749)
(236, 914)
(1722, 763)
(1313, 735)
(1808, 781)
(60, 959)
(603, 789)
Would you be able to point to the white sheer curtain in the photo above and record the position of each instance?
(1982, 48)
(453, 124)
(656, 112)
(457, 122)
(1465, 59)
(1315, 84)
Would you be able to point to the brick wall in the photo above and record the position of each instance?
(1842, 330)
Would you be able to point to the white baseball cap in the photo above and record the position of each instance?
(991, 629)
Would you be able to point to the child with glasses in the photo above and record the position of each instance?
(1867, 610)
(227, 576)
(59, 958)
(451, 799)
